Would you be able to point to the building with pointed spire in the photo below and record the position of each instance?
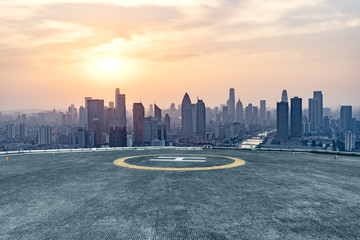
(186, 116)
(239, 111)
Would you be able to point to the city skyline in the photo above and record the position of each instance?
(53, 54)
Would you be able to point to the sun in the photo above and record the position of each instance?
(109, 65)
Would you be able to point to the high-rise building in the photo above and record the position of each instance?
(239, 111)
(255, 116)
(10, 130)
(79, 137)
(186, 117)
(262, 110)
(349, 141)
(45, 135)
(120, 109)
(86, 110)
(158, 113)
(284, 97)
(296, 117)
(316, 110)
(96, 119)
(345, 117)
(200, 118)
(225, 114)
(82, 116)
(23, 131)
(231, 105)
(118, 137)
(151, 110)
(138, 119)
(150, 130)
(167, 123)
(249, 113)
(282, 118)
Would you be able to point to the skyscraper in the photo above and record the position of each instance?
(167, 123)
(284, 97)
(150, 130)
(96, 118)
(239, 111)
(23, 131)
(316, 110)
(45, 135)
(158, 113)
(200, 117)
(138, 119)
(282, 118)
(345, 117)
(225, 114)
(262, 110)
(82, 116)
(249, 113)
(349, 141)
(296, 117)
(231, 105)
(186, 116)
(10, 130)
(120, 109)
(255, 116)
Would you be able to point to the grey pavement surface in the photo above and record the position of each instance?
(275, 195)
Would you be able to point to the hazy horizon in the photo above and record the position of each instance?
(56, 54)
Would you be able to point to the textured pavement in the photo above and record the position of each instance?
(275, 195)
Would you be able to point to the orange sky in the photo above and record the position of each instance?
(50, 51)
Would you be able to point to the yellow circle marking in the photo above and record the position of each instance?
(121, 162)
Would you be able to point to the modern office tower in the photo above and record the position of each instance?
(96, 119)
(23, 131)
(326, 124)
(167, 123)
(66, 129)
(255, 116)
(72, 115)
(186, 116)
(268, 116)
(262, 110)
(349, 141)
(231, 105)
(249, 113)
(111, 105)
(120, 109)
(316, 110)
(239, 111)
(172, 107)
(345, 117)
(284, 97)
(117, 137)
(282, 118)
(200, 117)
(82, 116)
(161, 128)
(194, 115)
(150, 130)
(45, 135)
(151, 110)
(86, 111)
(79, 137)
(158, 113)
(327, 112)
(138, 119)
(225, 114)
(296, 117)
(10, 130)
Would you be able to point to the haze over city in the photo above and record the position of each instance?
(55, 54)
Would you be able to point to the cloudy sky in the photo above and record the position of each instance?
(50, 51)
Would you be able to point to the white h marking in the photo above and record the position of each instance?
(179, 159)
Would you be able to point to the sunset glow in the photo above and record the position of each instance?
(109, 65)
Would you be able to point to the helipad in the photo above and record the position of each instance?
(184, 158)
(275, 195)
